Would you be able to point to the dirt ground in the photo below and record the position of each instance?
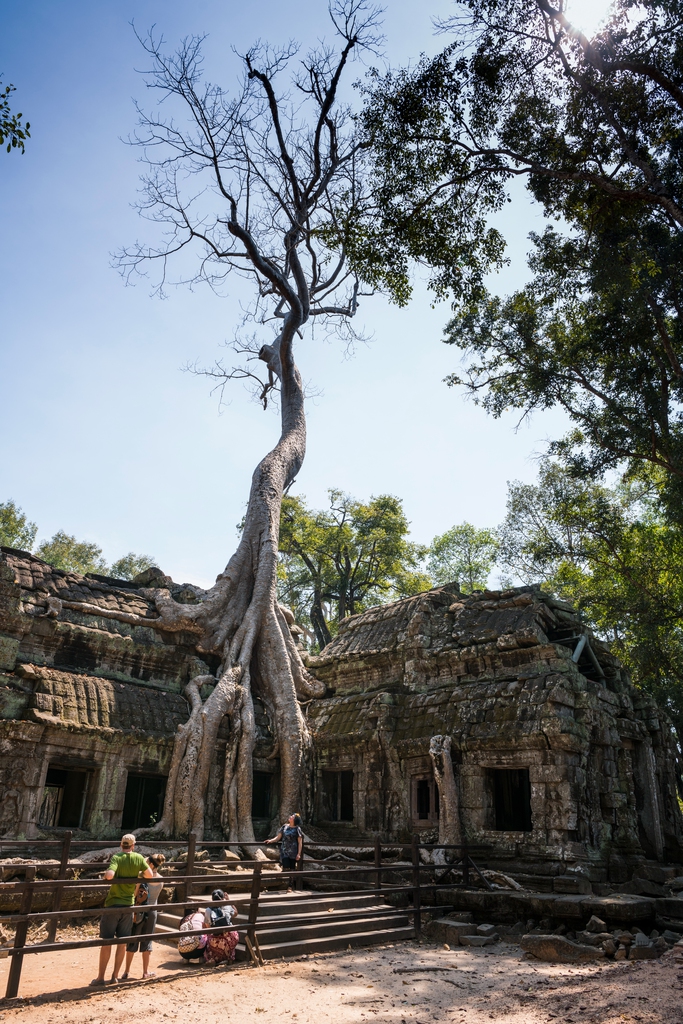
(406, 983)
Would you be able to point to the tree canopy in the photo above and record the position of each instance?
(464, 555)
(337, 561)
(15, 529)
(613, 554)
(594, 128)
(63, 550)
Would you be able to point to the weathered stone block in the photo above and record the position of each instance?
(557, 949)
(9, 648)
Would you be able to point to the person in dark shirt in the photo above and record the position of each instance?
(292, 839)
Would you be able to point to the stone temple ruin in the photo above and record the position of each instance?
(562, 768)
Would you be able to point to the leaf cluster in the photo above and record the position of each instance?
(11, 129)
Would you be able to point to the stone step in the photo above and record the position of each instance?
(354, 920)
(329, 943)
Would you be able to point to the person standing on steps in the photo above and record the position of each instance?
(129, 865)
(292, 839)
(146, 897)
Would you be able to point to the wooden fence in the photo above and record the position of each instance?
(346, 876)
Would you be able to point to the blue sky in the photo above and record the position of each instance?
(102, 433)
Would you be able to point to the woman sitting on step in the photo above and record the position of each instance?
(220, 945)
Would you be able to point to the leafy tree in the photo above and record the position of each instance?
(128, 567)
(15, 529)
(594, 128)
(341, 560)
(464, 555)
(63, 551)
(11, 129)
(612, 553)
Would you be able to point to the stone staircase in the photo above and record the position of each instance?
(355, 920)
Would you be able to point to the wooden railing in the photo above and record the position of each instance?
(347, 875)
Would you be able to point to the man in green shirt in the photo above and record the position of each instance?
(129, 865)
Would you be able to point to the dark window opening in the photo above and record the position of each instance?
(144, 801)
(63, 804)
(511, 799)
(260, 795)
(425, 801)
(337, 796)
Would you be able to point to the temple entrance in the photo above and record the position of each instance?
(144, 801)
(64, 796)
(337, 796)
(511, 804)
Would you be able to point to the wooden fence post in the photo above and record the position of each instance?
(378, 861)
(189, 866)
(20, 939)
(57, 899)
(416, 887)
(250, 938)
(465, 863)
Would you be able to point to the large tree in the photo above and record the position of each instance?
(613, 555)
(263, 184)
(594, 129)
(346, 557)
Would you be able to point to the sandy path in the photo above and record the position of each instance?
(390, 985)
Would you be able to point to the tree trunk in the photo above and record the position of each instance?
(322, 633)
(450, 829)
(240, 619)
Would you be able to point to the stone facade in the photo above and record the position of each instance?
(562, 766)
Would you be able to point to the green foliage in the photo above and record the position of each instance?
(128, 567)
(15, 529)
(464, 555)
(63, 551)
(595, 128)
(338, 561)
(11, 129)
(613, 554)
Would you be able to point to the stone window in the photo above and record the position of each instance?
(261, 795)
(511, 799)
(144, 800)
(337, 796)
(64, 796)
(424, 801)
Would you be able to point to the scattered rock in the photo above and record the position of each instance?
(610, 947)
(558, 949)
(596, 925)
(643, 953)
(478, 940)
(486, 929)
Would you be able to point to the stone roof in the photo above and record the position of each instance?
(441, 632)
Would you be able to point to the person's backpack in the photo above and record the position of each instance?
(141, 898)
(142, 893)
(220, 917)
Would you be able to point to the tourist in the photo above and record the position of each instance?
(220, 945)
(129, 865)
(292, 839)
(146, 897)
(191, 947)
